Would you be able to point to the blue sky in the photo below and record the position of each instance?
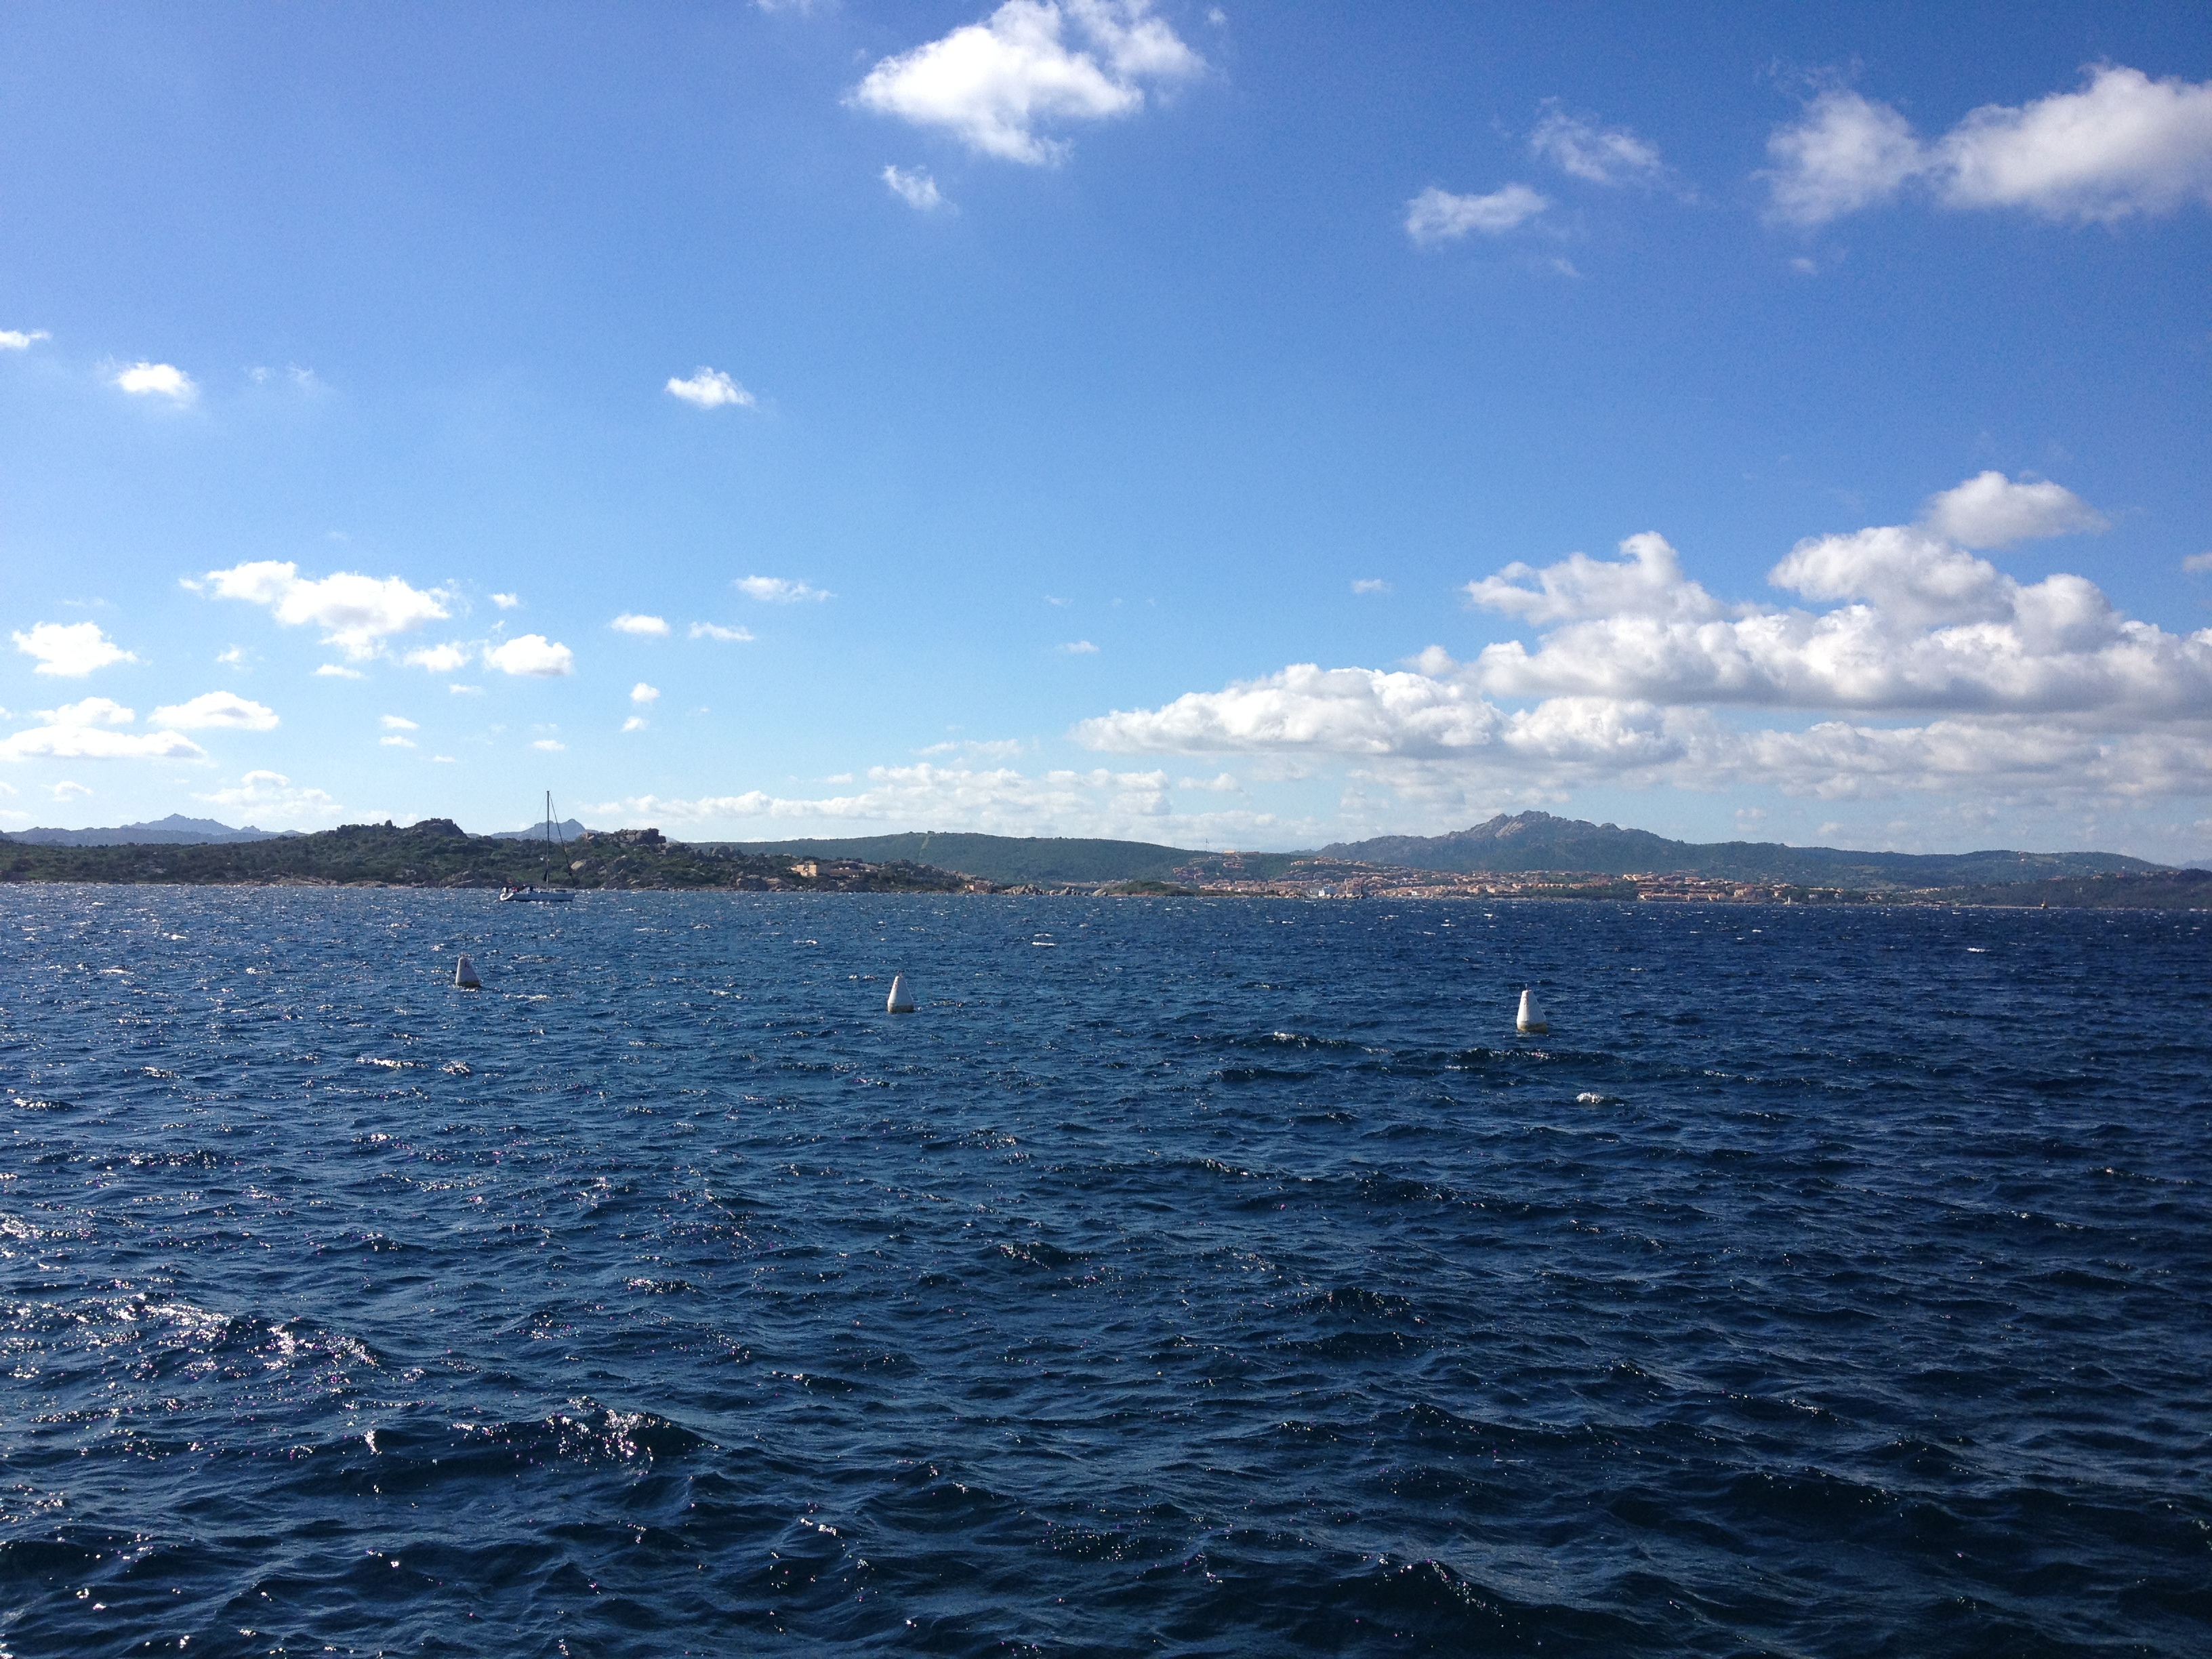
(1243, 426)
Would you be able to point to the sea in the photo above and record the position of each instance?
(1183, 1276)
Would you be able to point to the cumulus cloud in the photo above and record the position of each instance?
(1031, 63)
(507, 601)
(634, 723)
(1437, 215)
(917, 189)
(216, 709)
(1846, 152)
(1991, 510)
(2122, 145)
(92, 711)
(395, 741)
(1370, 584)
(703, 630)
(2198, 564)
(86, 730)
(530, 654)
(331, 671)
(550, 745)
(1080, 648)
(144, 379)
(2042, 687)
(271, 798)
(642, 693)
(67, 791)
(399, 723)
(17, 339)
(69, 650)
(1602, 156)
(447, 659)
(630, 623)
(356, 613)
(776, 590)
(709, 388)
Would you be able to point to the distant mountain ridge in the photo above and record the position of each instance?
(567, 828)
(174, 830)
(1518, 843)
(1538, 841)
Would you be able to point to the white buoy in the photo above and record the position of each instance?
(464, 976)
(1531, 1017)
(902, 999)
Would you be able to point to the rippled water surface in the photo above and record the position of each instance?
(1206, 1277)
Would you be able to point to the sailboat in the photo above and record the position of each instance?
(530, 892)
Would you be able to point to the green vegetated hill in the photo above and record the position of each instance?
(1537, 841)
(1522, 842)
(1012, 861)
(2159, 890)
(436, 853)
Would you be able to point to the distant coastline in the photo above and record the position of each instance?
(437, 852)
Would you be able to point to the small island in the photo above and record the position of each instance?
(439, 853)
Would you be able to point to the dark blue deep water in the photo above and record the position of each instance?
(1204, 1277)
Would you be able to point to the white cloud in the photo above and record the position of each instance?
(2198, 564)
(143, 379)
(395, 742)
(231, 656)
(917, 189)
(466, 690)
(630, 623)
(1437, 215)
(703, 630)
(92, 711)
(17, 339)
(1339, 711)
(399, 723)
(530, 654)
(2032, 691)
(67, 791)
(1991, 510)
(84, 731)
(91, 743)
(270, 798)
(1030, 63)
(1370, 584)
(1846, 154)
(507, 601)
(217, 709)
(634, 723)
(642, 693)
(776, 590)
(331, 671)
(997, 801)
(356, 613)
(1080, 648)
(1603, 156)
(709, 388)
(550, 745)
(447, 658)
(2122, 145)
(1648, 583)
(72, 650)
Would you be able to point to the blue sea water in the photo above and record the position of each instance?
(1202, 1277)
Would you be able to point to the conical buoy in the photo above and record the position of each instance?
(902, 999)
(464, 976)
(1531, 1017)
